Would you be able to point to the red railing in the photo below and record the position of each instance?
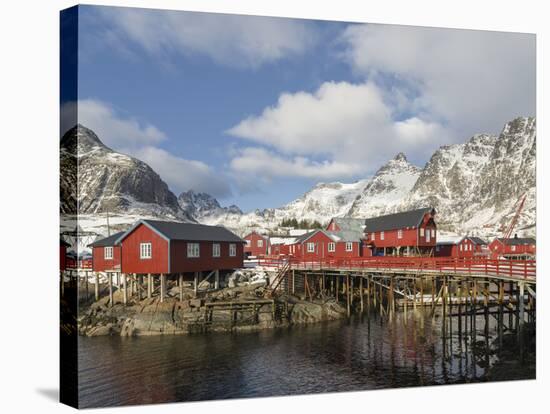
(79, 264)
(524, 269)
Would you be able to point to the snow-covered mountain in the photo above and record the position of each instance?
(475, 187)
(201, 205)
(95, 179)
(385, 192)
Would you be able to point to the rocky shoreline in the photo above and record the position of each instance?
(243, 309)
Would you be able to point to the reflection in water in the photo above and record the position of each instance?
(366, 352)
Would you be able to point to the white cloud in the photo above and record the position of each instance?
(138, 139)
(474, 81)
(267, 165)
(113, 129)
(181, 174)
(350, 125)
(233, 40)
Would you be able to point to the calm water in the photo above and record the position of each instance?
(361, 354)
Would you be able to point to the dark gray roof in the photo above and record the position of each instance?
(305, 236)
(172, 230)
(396, 221)
(107, 241)
(517, 240)
(477, 240)
(348, 223)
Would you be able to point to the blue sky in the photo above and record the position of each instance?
(256, 110)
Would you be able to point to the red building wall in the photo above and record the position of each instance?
(130, 254)
(206, 261)
(409, 236)
(498, 248)
(62, 257)
(321, 241)
(100, 264)
(253, 249)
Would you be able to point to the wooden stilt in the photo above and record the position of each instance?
(96, 286)
(348, 296)
(162, 287)
(110, 281)
(521, 305)
(217, 280)
(361, 293)
(86, 284)
(124, 289)
(140, 287)
(196, 283)
(180, 283)
(149, 286)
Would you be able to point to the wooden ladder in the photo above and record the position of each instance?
(281, 274)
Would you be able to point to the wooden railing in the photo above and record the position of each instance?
(517, 269)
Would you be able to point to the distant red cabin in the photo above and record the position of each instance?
(322, 245)
(106, 254)
(256, 245)
(63, 245)
(408, 233)
(464, 247)
(163, 247)
(515, 247)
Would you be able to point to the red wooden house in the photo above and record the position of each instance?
(106, 254)
(409, 233)
(516, 247)
(164, 247)
(325, 245)
(63, 254)
(256, 245)
(468, 246)
(280, 246)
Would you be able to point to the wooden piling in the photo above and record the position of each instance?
(361, 292)
(124, 289)
(347, 296)
(149, 285)
(110, 281)
(180, 283)
(162, 286)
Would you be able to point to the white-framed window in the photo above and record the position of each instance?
(248, 243)
(193, 250)
(373, 236)
(332, 247)
(381, 235)
(513, 247)
(433, 232)
(311, 247)
(460, 247)
(260, 243)
(108, 252)
(349, 246)
(216, 250)
(145, 251)
(421, 231)
(400, 234)
(232, 249)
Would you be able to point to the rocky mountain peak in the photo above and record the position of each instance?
(80, 140)
(105, 180)
(400, 157)
(199, 205)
